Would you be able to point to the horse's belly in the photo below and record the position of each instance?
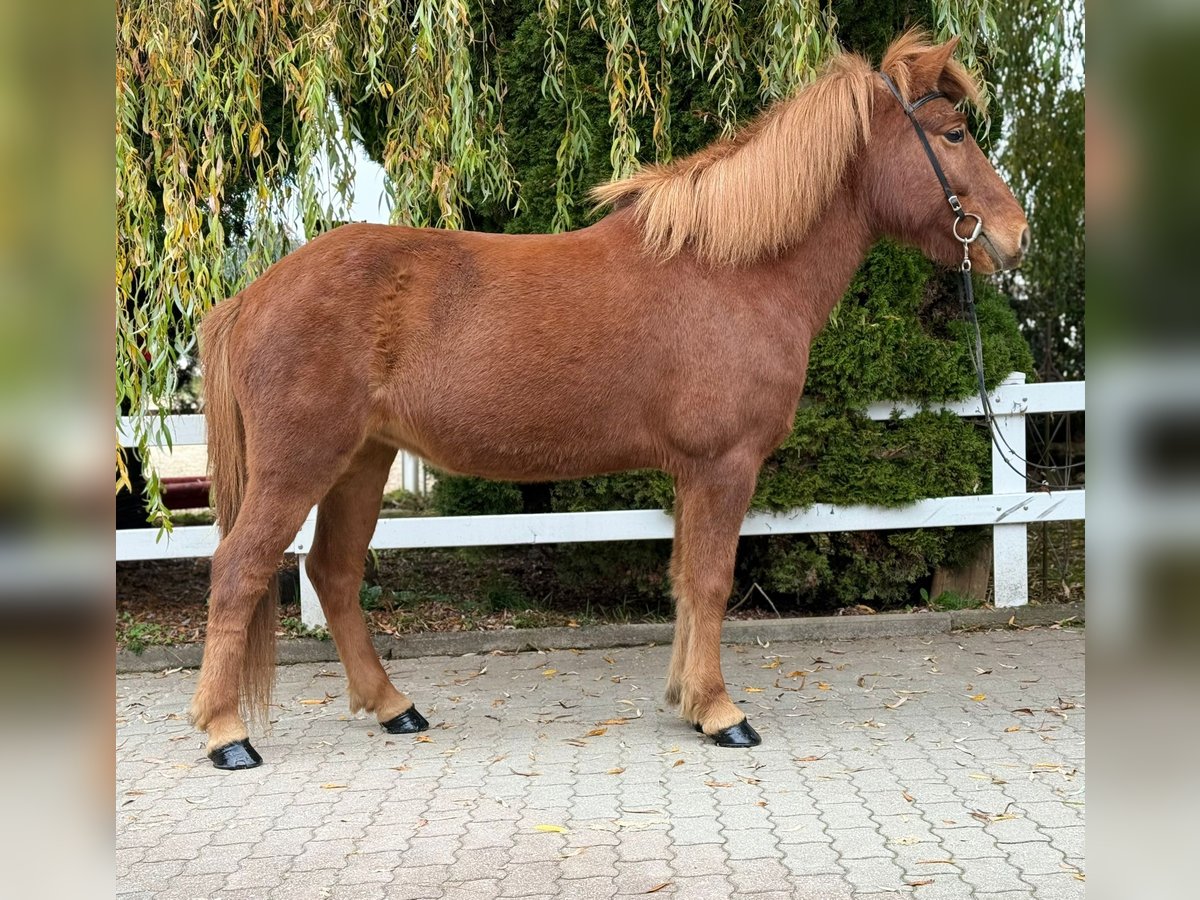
(525, 436)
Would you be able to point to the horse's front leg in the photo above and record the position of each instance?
(713, 502)
(674, 691)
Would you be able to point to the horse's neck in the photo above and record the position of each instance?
(815, 273)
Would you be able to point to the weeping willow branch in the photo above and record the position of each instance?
(798, 38)
(974, 22)
(559, 83)
(236, 126)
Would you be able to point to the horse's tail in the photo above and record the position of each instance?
(227, 472)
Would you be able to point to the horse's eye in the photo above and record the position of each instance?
(956, 136)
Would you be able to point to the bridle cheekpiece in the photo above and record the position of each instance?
(960, 215)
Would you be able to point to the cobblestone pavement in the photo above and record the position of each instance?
(949, 767)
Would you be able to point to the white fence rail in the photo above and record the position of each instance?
(1009, 508)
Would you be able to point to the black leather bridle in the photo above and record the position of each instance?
(967, 287)
(960, 215)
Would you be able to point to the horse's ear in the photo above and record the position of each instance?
(928, 67)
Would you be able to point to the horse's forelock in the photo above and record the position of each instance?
(918, 66)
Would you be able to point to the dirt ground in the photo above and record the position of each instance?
(164, 601)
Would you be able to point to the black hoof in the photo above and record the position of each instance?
(408, 722)
(238, 755)
(740, 735)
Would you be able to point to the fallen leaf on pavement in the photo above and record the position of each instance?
(616, 771)
(553, 829)
(657, 888)
(596, 732)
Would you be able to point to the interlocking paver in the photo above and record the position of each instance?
(746, 845)
(701, 859)
(852, 797)
(859, 843)
(1036, 858)
(641, 876)
(873, 875)
(754, 875)
(704, 887)
(991, 874)
(1061, 886)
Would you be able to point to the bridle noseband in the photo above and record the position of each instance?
(960, 215)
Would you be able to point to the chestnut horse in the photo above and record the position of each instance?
(673, 334)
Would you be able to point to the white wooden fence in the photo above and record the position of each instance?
(1009, 508)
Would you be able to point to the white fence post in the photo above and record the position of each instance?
(1010, 547)
(410, 470)
(311, 614)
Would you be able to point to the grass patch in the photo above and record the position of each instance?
(193, 517)
(136, 636)
(950, 601)
(293, 627)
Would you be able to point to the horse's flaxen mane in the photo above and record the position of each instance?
(761, 190)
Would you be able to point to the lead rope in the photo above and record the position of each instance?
(967, 289)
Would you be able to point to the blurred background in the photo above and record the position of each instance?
(56, 588)
(1143, 183)
(56, 378)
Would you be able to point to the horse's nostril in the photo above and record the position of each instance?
(1025, 239)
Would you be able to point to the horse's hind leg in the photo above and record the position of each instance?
(241, 620)
(346, 519)
(714, 502)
